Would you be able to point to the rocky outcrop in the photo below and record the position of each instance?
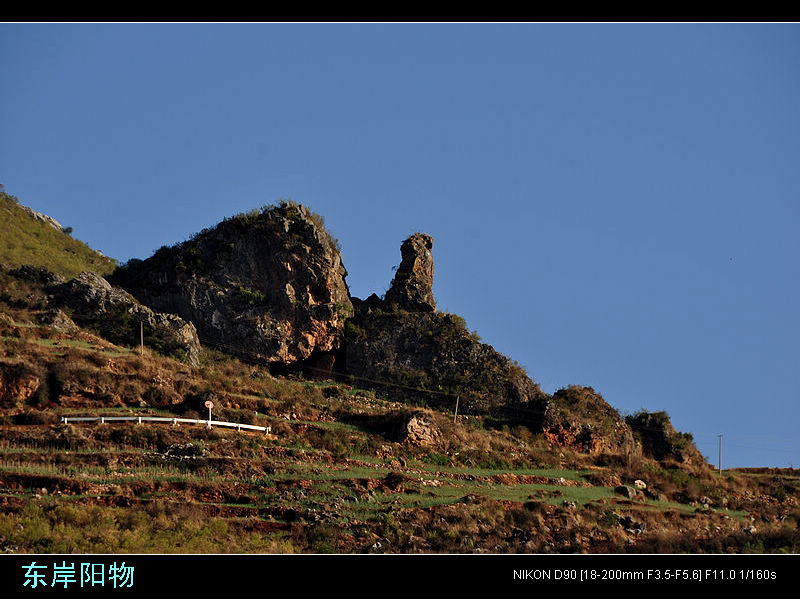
(660, 441)
(37, 274)
(412, 287)
(267, 286)
(58, 320)
(48, 220)
(580, 419)
(431, 357)
(116, 315)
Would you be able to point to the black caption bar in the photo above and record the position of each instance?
(31, 575)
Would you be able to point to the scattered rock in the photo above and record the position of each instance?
(183, 451)
(640, 484)
(630, 525)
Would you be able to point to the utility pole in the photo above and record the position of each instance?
(141, 338)
(720, 454)
(455, 416)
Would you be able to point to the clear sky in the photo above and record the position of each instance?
(612, 205)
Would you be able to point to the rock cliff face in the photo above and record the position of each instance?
(403, 340)
(268, 285)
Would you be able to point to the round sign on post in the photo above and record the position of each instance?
(209, 405)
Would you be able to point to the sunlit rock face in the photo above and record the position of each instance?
(268, 285)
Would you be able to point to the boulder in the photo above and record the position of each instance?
(626, 491)
(58, 320)
(417, 430)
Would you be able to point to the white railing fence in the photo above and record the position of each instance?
(174, 421)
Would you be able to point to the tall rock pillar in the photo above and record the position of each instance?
(412, 287)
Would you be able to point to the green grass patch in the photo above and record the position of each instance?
(26, 240)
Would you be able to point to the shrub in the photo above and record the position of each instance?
(251, 297)
(436, 459)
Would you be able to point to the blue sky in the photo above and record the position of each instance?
(612, 205)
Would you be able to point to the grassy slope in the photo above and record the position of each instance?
(25, 240)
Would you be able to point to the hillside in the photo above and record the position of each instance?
(39, 241)
(342, 470)
(365, 451)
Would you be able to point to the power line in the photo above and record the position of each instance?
(238, 351)
(351, 377)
